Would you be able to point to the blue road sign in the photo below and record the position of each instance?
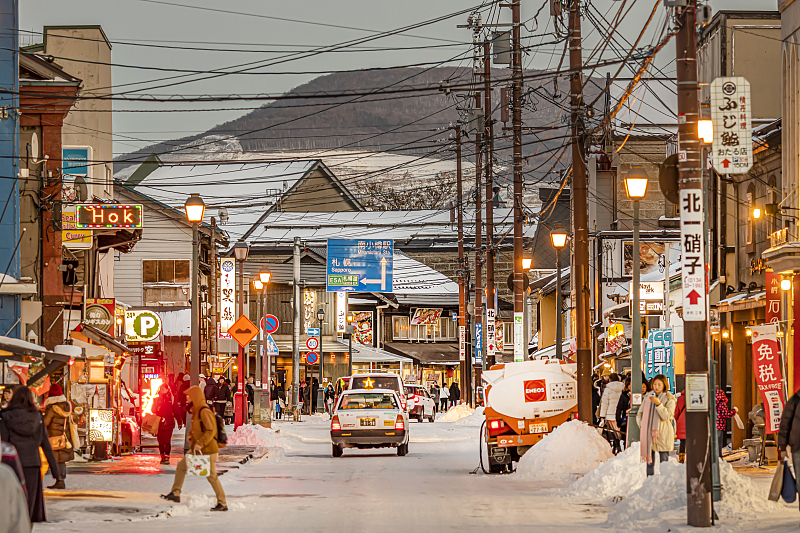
(478, 344)
(312, 357)
(314, 332)
(360, 265)
(272, 348)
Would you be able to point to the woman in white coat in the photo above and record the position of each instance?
(608, 411)
(655, 418)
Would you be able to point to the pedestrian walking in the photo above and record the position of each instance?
(223, 396)
(56, 419)
(680, 425)
(444, 394)
(608, 411)
(789, 431)
(655, 418)
(22, 426)
(435, 394)
(455, 394)
(329, 396)
(14, 518)
(250, 389)
(723, 415)
(166, 408)
(210, 392)
(229, 404)
(8, 392)
(312, 400)
(621, 415)
(202, 440)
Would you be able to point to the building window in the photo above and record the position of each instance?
(166, 282)
(399, 328)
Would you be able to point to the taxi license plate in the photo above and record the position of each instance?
(537, 428)
(367, 421)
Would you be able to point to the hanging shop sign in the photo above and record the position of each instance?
(732, 151)
(227, 296)
(499, 337)
(659, 356)
(145, 349)
(615, 338)
(142, 326)
(341, 312)
(101, 425)
(309, 310)
(426, 317)
(100, 314)
(72, 237)
(462, 343)
(651, 297)
(478, 344)
(773, 304)
(767, 370)
(362, 331)
(490, 341)
(109, 216)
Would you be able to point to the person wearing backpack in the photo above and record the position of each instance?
(205, 439)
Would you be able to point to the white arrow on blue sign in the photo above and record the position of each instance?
(272, 347)
(360, 265)
(313, 332)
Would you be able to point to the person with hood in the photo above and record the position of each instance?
(444, 395)
(435, 394)
(210, 392)
(655, 418)
(56, 419)
(621, 414)
(23, 427)
(222, 397)
(608, 410)
(723, 414)
(167, 409)
(455, 394)
(202, 440)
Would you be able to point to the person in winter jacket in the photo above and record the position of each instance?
(22, 425)
(723, 415)
(455, 394)
(222, 397)
(655, 418)
(435, 394)
(608, 410)
(202, 440)
(210, 392)
(680, 425)
(14, 517)
(56, 419)
(167, 409)
(621, 414)
(595, 399)
(789, 431)
(8, 392)
(444, 395)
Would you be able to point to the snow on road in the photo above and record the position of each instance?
(432, 488)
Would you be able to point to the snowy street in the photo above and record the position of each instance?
(304, 488)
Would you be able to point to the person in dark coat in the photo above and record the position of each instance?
(22, 426)
(789, 431)
(312, 401)
(455, 394)
(167, 409)
(621, 413)
(210, 392)
(680, 425)
(222, 398)
(56, 419)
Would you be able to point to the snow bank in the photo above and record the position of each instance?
(252, 435)
(456, 413)
(616, 478)
(319, 419)
(573, 448)
(474, 420)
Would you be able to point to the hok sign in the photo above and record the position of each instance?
(109, 216)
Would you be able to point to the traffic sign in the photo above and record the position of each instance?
(490, 323)
(272, 347)
(270, 324)
(312, 343)
(142, 326)
(243, 331)
(360, 265)
(313, 331)
(312, 357)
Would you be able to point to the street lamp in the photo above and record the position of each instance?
(195, 209)
(240, 252)
(260, 283)
(559, 240)
(350, 329)
(320, 317)
(757, 213)
(636, 187)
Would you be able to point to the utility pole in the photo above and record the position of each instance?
(212, 289)
(489, 147)
(462, 290)
(580, 222)
(478, 308)
(520, 350)
(698, 462)
(296, 327)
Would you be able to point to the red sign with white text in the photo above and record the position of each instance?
(767, 370)
(773, 307)
(535, 390)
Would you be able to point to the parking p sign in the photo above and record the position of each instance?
(142, 326)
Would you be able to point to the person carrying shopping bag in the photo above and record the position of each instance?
(655, 419)
(202, 440)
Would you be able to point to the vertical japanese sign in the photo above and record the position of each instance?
(227, 296)
(478, 343)
(309, 310)
(767, 370)
(693, 273)
(659, 355)
(462, 343)
(490, 323)
(732, 151)
(773, 311)
(519, 338)
(341, 312)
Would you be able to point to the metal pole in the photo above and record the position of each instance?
(636, 335)
(258, 337)
(296, 325)
(266, 357)
(559, 322)
(212, 288)
(516, 66)
(321, 365)
(489, 178)
(350, 350)
(698, 471)
(240, 378)
(478, 308)
(194, 364)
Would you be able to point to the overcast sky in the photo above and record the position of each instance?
(154, 22)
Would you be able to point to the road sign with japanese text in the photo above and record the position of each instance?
(767, 371)
(732, 151)
(693, 273)
(478, 343)
(360, 265)
(490, 323)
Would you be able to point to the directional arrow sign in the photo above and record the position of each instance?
(360, 265)
(694, 297)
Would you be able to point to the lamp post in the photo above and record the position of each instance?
(264, 277)
(240, 252)
(350, 330)
(559, 240)
(195, 209)
(320, 317)
(636, 187)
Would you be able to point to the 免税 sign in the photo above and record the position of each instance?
(360, 265)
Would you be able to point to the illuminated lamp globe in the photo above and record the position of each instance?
(757, 212)
(705, 130)
(526, 263)
(636, 182)
(257, 284)
(195, 208)
(786, 284)
(264, 276)
(559, 239)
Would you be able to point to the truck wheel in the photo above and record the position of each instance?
(337, 450)
(495, 469)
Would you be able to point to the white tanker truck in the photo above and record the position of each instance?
(524, 402)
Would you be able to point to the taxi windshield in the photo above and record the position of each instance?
(375, 382)
(368, 400)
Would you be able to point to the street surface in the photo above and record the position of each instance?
(305, 489)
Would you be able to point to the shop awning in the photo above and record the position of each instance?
(16, 349)
(102, 338)
(741, 302)
(550, 351)
(368, 354)
(435, 353)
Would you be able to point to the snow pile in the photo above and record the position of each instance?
(456, 413)
(253, 435)
(319, 419)
(573, 448)
(474, 420)
(616, 478)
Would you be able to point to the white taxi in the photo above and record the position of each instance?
(369, 418)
